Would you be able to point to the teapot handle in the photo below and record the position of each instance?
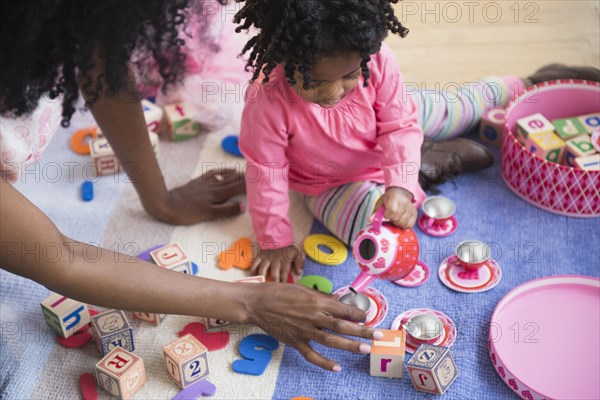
(378, 219)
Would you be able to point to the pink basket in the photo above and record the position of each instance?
(552, 187)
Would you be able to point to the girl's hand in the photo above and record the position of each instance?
(203, 199)
(296, 315)
(279, 262)
(399, 208)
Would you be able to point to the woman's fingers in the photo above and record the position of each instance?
(315, 358)
(342, 343)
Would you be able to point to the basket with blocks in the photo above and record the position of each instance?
(549, 171)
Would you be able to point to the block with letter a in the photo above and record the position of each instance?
(432, 369)
(387, 354)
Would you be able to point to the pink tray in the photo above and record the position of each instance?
(544, 338)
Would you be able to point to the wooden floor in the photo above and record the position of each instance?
(456, 41)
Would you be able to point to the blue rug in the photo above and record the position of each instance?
(527, 242)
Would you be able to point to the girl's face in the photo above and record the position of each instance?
(332, 78)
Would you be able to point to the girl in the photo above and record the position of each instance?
(333, 120)
(61, 47)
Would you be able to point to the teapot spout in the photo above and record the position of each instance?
(362, 281)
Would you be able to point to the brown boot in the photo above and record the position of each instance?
(444, 160)
(561, 71)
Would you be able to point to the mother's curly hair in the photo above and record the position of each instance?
(298, 32)
(45, 43)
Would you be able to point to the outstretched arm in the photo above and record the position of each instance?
(291, 313)
(121, 119)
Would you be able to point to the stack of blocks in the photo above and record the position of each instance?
(179, 125)
(121, 373)
(153, 115)
(104, 158)
(432, 369)
(111, 329)
(172, 257)
(64, 315)
(564, 141)
(387, 354)
(186, 360)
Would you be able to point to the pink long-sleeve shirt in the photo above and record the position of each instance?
(372, 134)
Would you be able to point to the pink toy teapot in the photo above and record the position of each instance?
(384, 251)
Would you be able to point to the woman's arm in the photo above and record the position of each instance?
(121, 119)
(291, 313)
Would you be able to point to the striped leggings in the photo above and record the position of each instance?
(346, 209)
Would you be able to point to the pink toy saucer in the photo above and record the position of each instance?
(456, 277)
(544, 338)
(447, 228)
(379, 305)
(448, 335)
(417, 277)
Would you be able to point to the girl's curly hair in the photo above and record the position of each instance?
(45, 43)
(298, 32)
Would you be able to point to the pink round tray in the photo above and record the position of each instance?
(544, 338)
(552, 187)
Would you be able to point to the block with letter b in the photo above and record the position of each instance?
(179, 124)
(121, 373)
(492, 126)
(568, 128)
(111, 329)
(186, 360)
(432, 369)
(64, 315)
(387, 354)
(580, 146)
(546, 145)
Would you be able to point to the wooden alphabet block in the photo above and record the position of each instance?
(64, 315)
(546, 145)
(568, 128)
(178, 123)
(103, 157)
(154, 319)
(121, 373)
(492, 126)
(154, 141)
(172, 257)
(590, 122)
(215, 325)
(111, 329)
(432, 369)
(251, 279)
(580, 146)
(387, 354)
(588, 163)
(153, 115)
(535, 123)
(186, 360)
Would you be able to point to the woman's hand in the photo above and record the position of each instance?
(203, 199)
(296, 315)
(278, 262)
(399, 208)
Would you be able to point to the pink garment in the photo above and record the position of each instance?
(24, 140)
(372, 134)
